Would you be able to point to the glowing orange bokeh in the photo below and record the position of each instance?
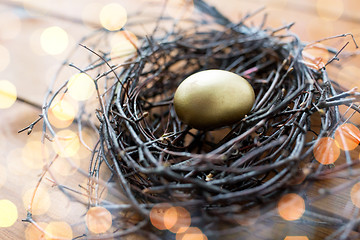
(296, 238)
(40, 203)
(98, 219)
(326, 151)
(157, 215)
(347, 136)
(291, 207)
(67, 143)
(58, 230)
(61, 112)
(355, 194)
(192, 233)
(33, 233)
(177, 219)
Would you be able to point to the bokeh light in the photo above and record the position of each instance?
(326, 151)
(291, 207)
(65, 168)
(4, 58)
(33, 233)
(63, 109)
(8, 213)
(296, 238)
(40, 202)
(10, 25)
(81, 86)
(330, 9)
(177, 219)
(61, 112)
(58, 230)
(347, 136)
(8, 93)
(192, 233)
(34, 153)
(66, 144)
(54, 40)
(157, 215)
(123, 43)
(113, 16)
(355, 194)
(98, 219)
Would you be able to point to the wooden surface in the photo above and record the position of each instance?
(30, 70)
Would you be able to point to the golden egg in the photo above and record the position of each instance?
(213, 98)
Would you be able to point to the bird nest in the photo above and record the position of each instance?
(216, 175)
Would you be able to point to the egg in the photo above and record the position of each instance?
(213, 98)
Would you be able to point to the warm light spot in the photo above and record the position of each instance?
(98, 219)
(192, 233)
(291, 207)
(4, 58)
(123, 43)
(40, 202)
(81, 86)
(54, 40)
(347, 136)
(66, 143)
(113, 16)
(355, 194)
(63, 167)
(317, 55)
(157, 215)
(3, 175)
(177, 219)
(10, 25)
(8, 213)
(58, 230)
(326, 151)
(8, 93)
(63, 110)
(330, 9)
(33, 233)
(296, 238)
(34, 153)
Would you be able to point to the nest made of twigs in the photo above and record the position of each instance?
(216, 174)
